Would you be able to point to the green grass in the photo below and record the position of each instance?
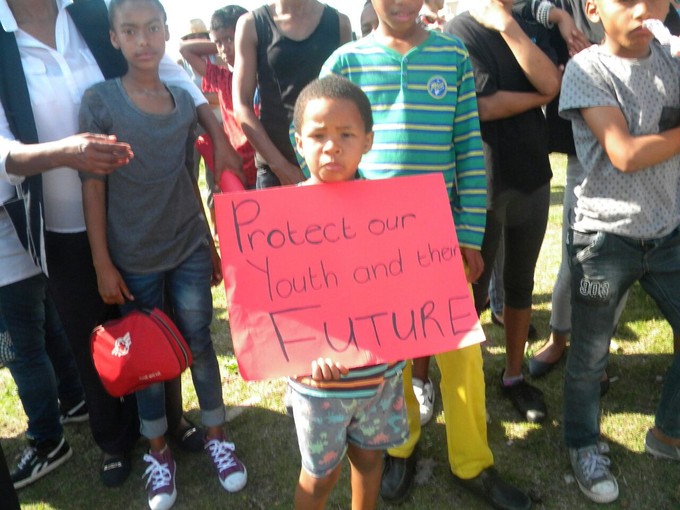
(530, 456)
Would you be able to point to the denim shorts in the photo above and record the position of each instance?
(325, 426)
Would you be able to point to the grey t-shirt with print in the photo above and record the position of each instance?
(153, 216)
(643, 204)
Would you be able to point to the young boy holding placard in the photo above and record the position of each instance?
(422, 91)
(360, 411)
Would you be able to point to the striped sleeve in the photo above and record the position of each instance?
(469, 203)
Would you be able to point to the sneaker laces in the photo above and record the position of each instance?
(594, 466)
(221, 453)
(28, 454)
(159, 474)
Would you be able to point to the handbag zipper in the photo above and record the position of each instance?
(169, 329)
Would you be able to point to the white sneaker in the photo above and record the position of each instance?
(160, 483)
(592, 474)
(425, 396)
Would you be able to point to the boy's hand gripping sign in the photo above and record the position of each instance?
(362, 272)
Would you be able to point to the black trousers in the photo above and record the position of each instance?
(73, 283)
(8, 498)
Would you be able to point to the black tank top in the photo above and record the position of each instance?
(284, 67)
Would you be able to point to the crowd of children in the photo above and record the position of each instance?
(415, 95)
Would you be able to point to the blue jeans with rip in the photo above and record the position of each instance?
(188, 289)
(603, 267)
(44, 368)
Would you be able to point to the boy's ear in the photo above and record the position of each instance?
(298, 144)
(368, 142)
(591, 11)
(167, 33)
(114, 39)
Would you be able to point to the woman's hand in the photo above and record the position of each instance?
(95, 153)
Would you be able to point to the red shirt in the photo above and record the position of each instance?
(219, 79)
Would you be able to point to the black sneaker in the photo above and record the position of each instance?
(397, 478)
(527, 399)
(76, 414)
(190, 437)
(38, 460)
(115, 469)
(491, 487)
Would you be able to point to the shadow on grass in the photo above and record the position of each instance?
(265, 442)
(533, 457)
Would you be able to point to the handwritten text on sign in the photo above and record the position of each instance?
(363, 272)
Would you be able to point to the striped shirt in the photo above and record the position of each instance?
(426, 119)
(361, 382)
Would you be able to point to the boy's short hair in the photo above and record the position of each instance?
(115, 4)
(226, 17)
(333, 87)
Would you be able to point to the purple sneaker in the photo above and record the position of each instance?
(161, 481)
(230, 470)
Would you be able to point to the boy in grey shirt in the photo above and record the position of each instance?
(623, 98)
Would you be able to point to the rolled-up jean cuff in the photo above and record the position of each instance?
(151, 429)
(213, 417)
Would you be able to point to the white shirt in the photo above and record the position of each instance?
(56, 80)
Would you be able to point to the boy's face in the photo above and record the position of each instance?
(332, 139)
(369, 20)
(397, 16)
(224, 40)
(140, 32)
(622, 22)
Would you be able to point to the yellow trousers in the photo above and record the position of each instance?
(463, 399)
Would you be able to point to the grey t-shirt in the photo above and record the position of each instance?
(643, 204)
(153, 216)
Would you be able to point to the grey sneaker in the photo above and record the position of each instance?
(659, 449)
(591, 469)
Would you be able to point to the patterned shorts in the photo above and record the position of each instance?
(325, 425)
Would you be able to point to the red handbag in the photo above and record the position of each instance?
(140, 349)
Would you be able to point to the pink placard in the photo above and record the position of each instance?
(362, 272)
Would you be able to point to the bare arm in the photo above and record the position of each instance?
(629, 153)
(216, 276)
(537, 67)
(110, 283)
(345, 29)
(86, 152)
(245, 82)
(504, 104)
(573, 37)
(225, 156)
(195, 52)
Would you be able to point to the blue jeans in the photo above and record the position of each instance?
(188, 289)
(603, 267)
(44, 368)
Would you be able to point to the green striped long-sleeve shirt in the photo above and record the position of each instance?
(426, 119)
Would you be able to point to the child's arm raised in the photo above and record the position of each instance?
(629, 153)
(537, 67)
(245, 82)
(110, 283)
(195, 52)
